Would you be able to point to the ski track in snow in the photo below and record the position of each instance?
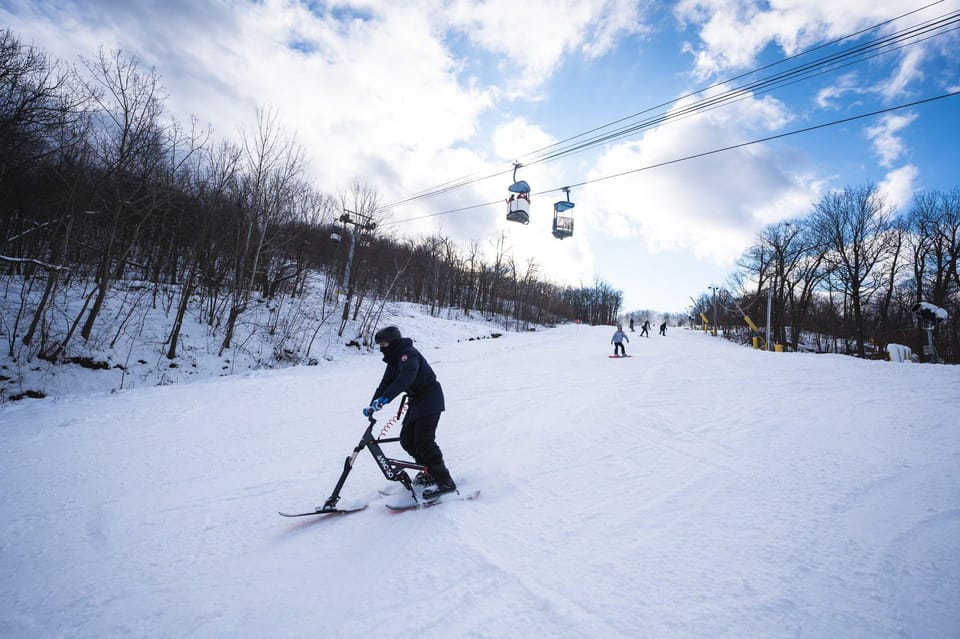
(697, 489)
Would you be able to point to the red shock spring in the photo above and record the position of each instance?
(393, 420)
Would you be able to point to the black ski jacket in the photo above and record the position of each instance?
(408, 371)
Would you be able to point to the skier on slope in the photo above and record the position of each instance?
(408, 371)
(617, 342)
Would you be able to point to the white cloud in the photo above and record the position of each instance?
(531, 38)
(899, 185)
(614, 20)
(361, 95)
(727, 43)
(514, 138)
(829, 97)
(733, 33)
(908, 72)
(886, 143)
(712, 205)
(374, 93)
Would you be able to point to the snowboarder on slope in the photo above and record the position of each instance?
(645, 329)
(617, 342)
(408, 371)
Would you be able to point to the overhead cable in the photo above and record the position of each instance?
(908, 36)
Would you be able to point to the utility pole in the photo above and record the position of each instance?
(714, 288)
(769, 306)
(362, 223)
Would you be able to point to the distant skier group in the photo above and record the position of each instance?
(619, 337)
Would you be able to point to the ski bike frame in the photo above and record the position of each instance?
(392, 469)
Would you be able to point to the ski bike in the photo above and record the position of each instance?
(392, 469)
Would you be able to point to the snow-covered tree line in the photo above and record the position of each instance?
(103, 196)
(846, 277)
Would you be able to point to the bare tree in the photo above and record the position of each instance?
(474, 266)
(803, 274)
(495, 275)
(934, 244)
(889, 271)
(274, 165)
(38, 101)
(852, 224)
(129, 143)
(788, 257)
(39, 107)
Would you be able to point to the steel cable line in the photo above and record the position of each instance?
(760, 86)
(734, 97)
(464, 181)
(699, 155)
(770, 138)
(766, 90)
(931, 28)
(735, 78)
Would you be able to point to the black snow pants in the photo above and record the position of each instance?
(418, 438)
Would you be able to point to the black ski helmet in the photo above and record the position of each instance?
(387, 334)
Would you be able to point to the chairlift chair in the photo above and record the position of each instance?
(563, 221)
(518, 204)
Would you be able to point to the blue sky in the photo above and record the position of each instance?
(403, 96)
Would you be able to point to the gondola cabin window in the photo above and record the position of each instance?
(518, 208)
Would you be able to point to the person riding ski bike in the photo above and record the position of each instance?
(408, 372)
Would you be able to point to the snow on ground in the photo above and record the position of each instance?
(696, 489)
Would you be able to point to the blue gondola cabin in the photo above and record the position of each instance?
(562, 218)
(562, 224)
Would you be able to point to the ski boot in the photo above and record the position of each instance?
(442, 488)
(424, 478)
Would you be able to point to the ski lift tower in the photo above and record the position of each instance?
(929, 316)
(362, 223)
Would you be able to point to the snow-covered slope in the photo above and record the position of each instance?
(696, 489)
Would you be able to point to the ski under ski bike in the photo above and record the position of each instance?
(417, 504)
(392, 469)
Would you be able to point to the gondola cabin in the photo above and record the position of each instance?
(518, 204)
(562, 218)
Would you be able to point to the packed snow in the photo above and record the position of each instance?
(695, 489)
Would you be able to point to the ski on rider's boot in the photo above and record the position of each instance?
(420, 483)
(411, 504)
